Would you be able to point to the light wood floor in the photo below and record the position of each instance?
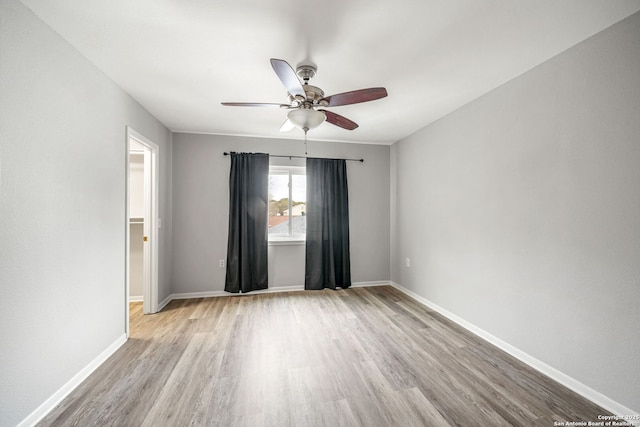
(356, 357)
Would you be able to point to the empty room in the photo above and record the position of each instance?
(320, 213)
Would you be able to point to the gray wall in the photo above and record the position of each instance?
(201, 200)
(62, 210)
(521, 212)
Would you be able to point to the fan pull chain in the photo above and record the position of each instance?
(305, 140)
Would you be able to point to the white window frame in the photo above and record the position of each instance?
(290, 238)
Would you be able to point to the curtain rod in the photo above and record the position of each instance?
(303, 157)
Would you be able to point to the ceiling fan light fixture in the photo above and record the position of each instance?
(306, 118)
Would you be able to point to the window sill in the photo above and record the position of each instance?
(284, 241)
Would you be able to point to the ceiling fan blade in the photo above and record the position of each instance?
(338, 120)
(288, 77)
(287, 126)
(356, 96)
(254, 104)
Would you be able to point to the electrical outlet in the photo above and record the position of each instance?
(221, 263)
(407, 262)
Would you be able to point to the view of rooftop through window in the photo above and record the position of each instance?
(287, 202)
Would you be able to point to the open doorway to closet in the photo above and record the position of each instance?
(142, 223)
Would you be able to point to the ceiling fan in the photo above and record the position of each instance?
(307, 103)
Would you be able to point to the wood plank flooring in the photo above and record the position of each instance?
(357, 357)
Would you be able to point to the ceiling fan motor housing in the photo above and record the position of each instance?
(314, 94)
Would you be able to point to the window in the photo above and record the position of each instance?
(287, 204)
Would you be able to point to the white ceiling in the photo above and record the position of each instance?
(181, 58)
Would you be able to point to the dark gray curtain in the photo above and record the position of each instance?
(247, 268)
(327, 252)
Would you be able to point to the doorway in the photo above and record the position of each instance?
(142, 223)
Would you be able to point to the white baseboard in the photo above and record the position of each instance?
(136, 299)
(209, 294)
(49, 404)
(164, 303)
(564, 379)
(367, 284)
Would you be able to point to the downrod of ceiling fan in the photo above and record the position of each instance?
(306, 72)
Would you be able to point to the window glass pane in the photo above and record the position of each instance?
(287, 217)
(298, 204)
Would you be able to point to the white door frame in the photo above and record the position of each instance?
(151, 223)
